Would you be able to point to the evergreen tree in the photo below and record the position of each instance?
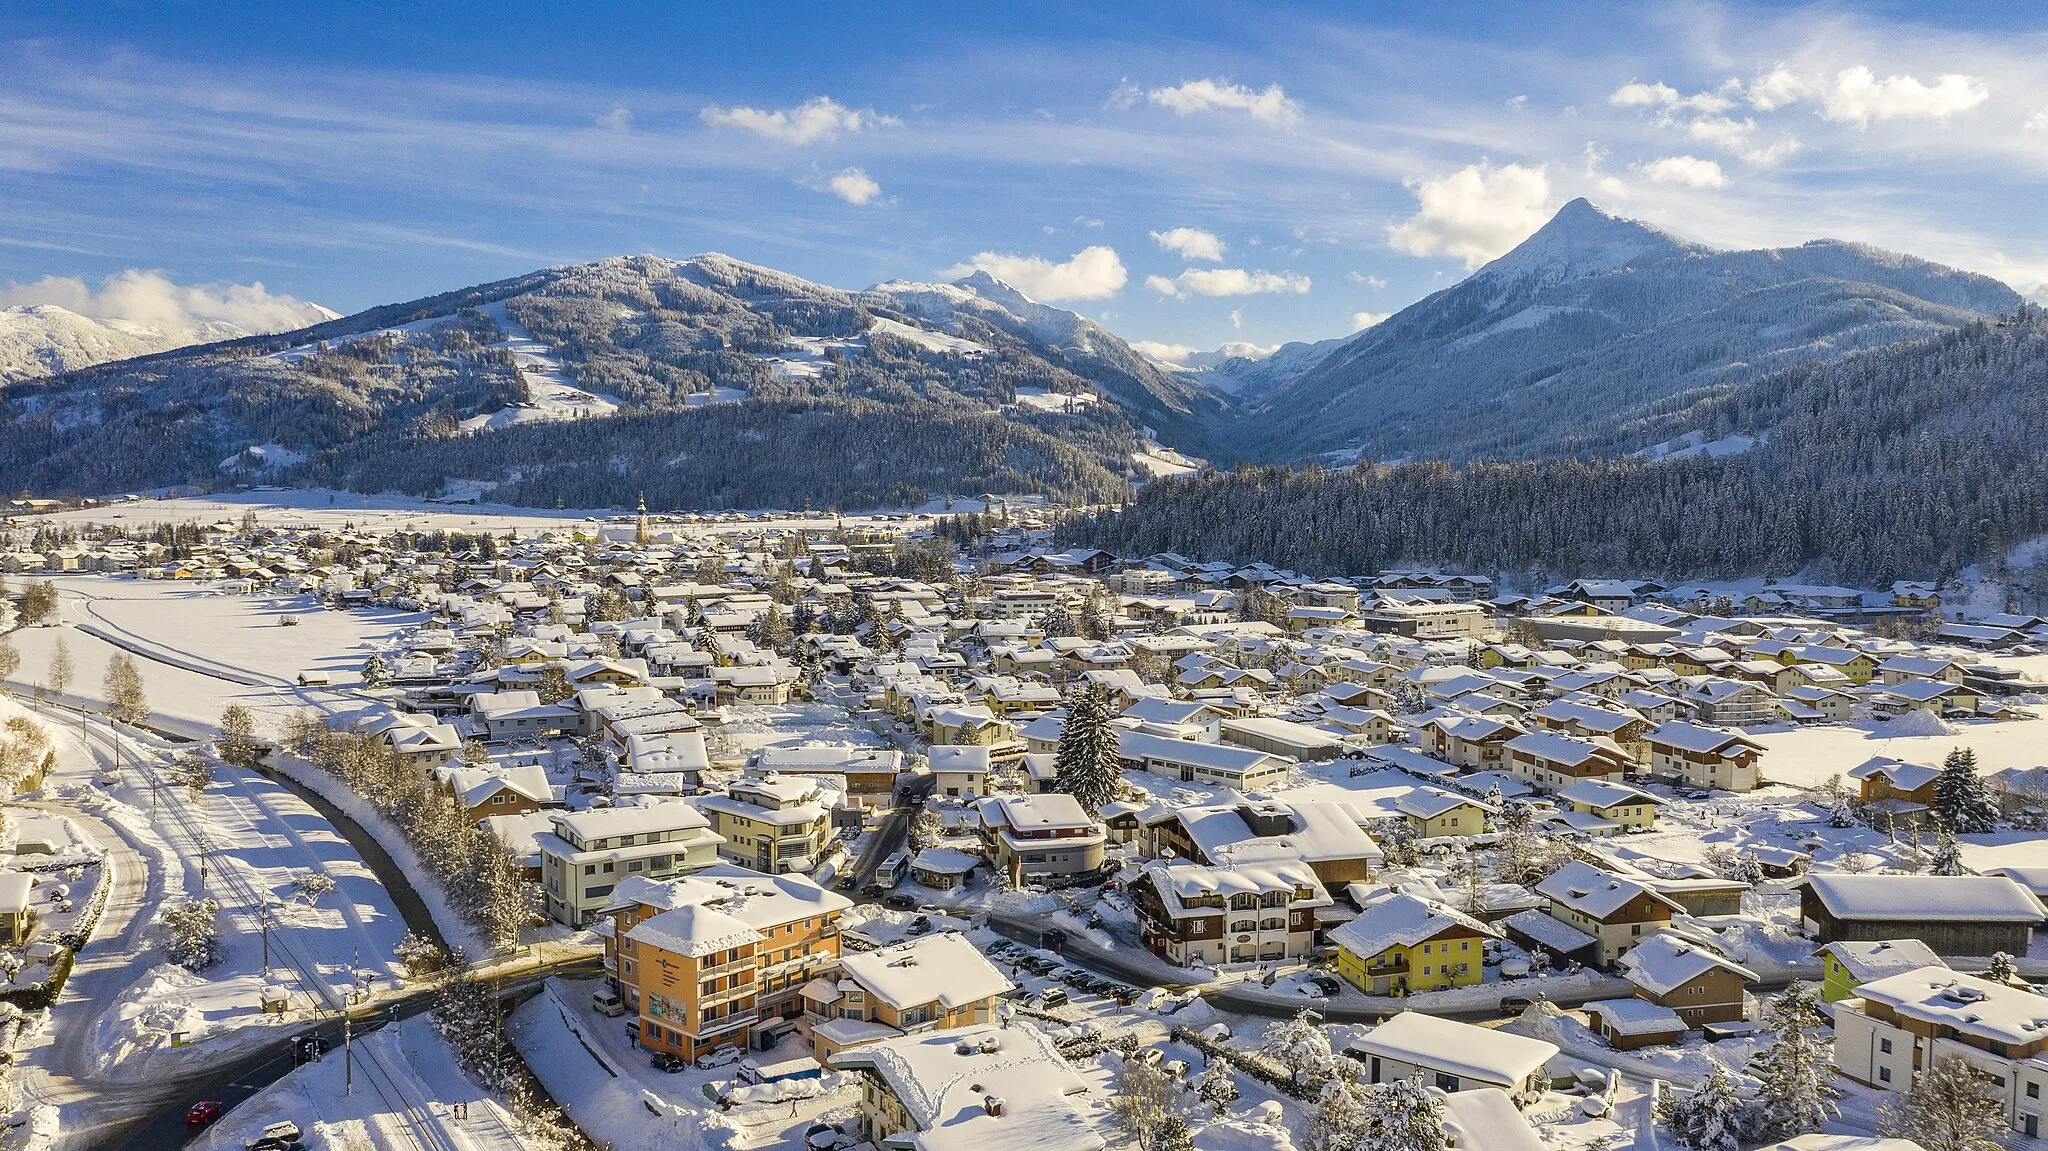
(1709, 1119)
(1796, 1090)
(1217, 1087)
(1953, 1106)
(2003, 970)
(1960, 796)
(1404, 1116)
(375, 672)
(1088, 766)
(1948, 856)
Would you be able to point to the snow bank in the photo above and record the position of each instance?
(1919, 721)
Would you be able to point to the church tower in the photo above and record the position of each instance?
(641, 535)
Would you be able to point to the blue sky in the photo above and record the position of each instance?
(1189, 173)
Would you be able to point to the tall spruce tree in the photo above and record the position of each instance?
(1088, 766)
(1796, 1090)
(1961, 797)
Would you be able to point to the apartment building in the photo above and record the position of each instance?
(772, 823)
(585, 855)
(1895, 1027)
(1193, 915)
(713, 959)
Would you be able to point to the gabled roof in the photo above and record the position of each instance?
(1664, 962)
(1402, 920)
(1915, 898)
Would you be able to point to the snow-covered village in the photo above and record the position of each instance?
(382, 825)
(1220, 576)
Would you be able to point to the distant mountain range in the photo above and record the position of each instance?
(47, 340)
(1589, 335)
(713, 382)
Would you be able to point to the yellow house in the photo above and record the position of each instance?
(1847, 964)
(1633, 808)
(1401, 944)
(1433, 812)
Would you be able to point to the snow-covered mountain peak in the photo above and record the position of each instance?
(1585, 240)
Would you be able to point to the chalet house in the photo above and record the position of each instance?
(1704, 757)
(1191, 915)
(939, 981)
(585, 855)
(1036, 838)
(1616, 912)
(1924, 695)
(1900, 668)
(513, 715)
(1716, 699)
(1953, 914)
(1190, 761)
(1697, 984)
(1618, 805)
(1432, 812)
(1549, 760)
(772, 823)
(1895, 1027)
(1476, 742)
(1401, 944)
(1904, 787)
(486, 792)
(1587, 721)
(1325, 836)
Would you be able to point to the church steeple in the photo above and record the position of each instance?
(640, 533)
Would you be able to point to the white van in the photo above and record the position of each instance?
(607, 1002)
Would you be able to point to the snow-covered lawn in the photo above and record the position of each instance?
(1805, 756)
(259, 843)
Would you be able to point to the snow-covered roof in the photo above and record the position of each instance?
(1664, 962)
(1478, 1053)
(1587, 889)
(1971, 1005)
(946, 1081)
(1486, 1120)
(945, 968)
(1636, 1017)
(1870, 959)
(1402, 920)
(693, 931)
(1909, 898)
(1903, 776)
(1547, 930)
(1693, 737)
(1605, 793)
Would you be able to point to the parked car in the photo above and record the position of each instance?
(847, 882)
(664, 1061)
(899, 902)
(719, 1058)
(205, 1111)
(1516, 1002)
(605, 1001)
(1327, 984)
(1053, 997)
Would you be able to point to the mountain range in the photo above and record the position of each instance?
(47, 340)
(711, 381)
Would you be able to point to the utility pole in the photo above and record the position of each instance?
(348, 1057)
(263, 917)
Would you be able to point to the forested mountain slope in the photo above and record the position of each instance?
(1905, 461)
(702, 372)
(1575, 342)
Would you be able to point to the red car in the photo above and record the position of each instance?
(205, 1111)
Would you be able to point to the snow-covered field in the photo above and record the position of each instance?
(406, 1093)
(1805, 756)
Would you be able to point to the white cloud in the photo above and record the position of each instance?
(1227, 282)
(1691, 171)
(1088, 221)
(1237, 317)
(1777, 88)
(1171, 353)
(816, 120)
(1360, 321)
(854, 186)
(1857, 97)
(1475, 213)
(149, 299)
(619, 119)
(1093, 273)
(1369, 281)
(1190, 243)
(1635, 94)
(2038, 122)
(1270, 106)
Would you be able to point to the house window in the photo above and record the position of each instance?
(1884, 1075)
(1885, 1045)
(2033, 1090)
